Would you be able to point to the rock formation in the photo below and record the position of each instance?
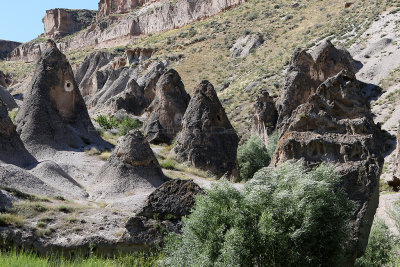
(138, 54)
(60, 22)
(265, 116)
(7, 99)
(54, 114)
(167, 109)
(107, 7)
(335, 125)
(131, 168)
(131, 99)
(28, 52)
(150, 79)
(207, 139)
(6, 200)
(395, 183)
(5, 80)
(6, 47)
(245, 44)
(165, 206)
(12, 150)
(307, 70)
(88, 77)
(163, 16)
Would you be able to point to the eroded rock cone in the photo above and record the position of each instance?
(12, 150)
(7, 98)
(150, 79)
(165, 206)
(265, 116)
(132, 99)
(167, 109)
(335, 125)
(207, 139)
(132, 167)
(307, 70)
(54, 114)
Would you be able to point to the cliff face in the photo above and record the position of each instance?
(107, 7)
(61, 22)
(151, 18)
(6, 47)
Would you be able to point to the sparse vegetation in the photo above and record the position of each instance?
(271, 223)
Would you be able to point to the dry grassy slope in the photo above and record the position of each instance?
(205, 45)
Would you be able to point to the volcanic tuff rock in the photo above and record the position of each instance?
(107, 7)
(12, 150)
(207, 139)
(27, 52)
(60, 22)
(7, 98)
(167, 109)
(265, 116)
(165, 206)
(6, 47)
(131, 99)
(150, 79)
(335, 125)
(54, 115)
(6, 200)
(245, 44)
(5, 79)
(155, 17)
(131, 168)
(307, 70)
(396, 168)
(87, 75)
(138, 54)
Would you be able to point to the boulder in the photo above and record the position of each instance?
(7, 98)
(336, 126)
(61, 22)
(167, 109)
(207, 139)
(6, 47)
(5, 79)
(54, 115)
(245, 44)
(12, 150)
(131, 168)
(165, 207)
(87, 76)
(307, 70)
(265, 116)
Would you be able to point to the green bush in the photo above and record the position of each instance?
(252, 156)
(380, 247)
(128, 124)
(106, 123)
(283, 217)
(272, 143)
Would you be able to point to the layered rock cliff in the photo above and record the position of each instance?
(151, 18)
(60, 22)
(107, 7)
(6, 47)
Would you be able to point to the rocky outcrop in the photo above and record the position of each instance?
(149, 80)
(12, 150)
(131, 168)
(6, 47)
(165, 207)
(88, 77)
(167, 109)
(131, 100)
(207, 139)
(7, 99)
(60, 22)
(155, 17)
(265, 116)
(5, 79)
(54, 115)
(6, 200)
(336, 126)
(307, 70)
(107, 7)
(245, 44)
(138, 54)
(28, 52)
(395, 183)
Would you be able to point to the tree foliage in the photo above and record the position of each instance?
(283, 217)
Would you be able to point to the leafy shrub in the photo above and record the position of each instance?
(380, 247)
(252, 156)
(283, 217)
(128, 124)
(106, 123)
(272, 143)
